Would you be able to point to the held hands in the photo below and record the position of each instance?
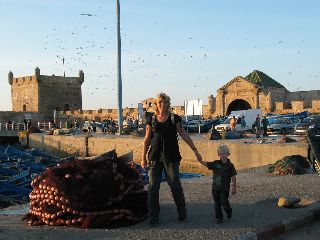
(144, 164)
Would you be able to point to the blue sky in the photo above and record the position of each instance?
(187, 49)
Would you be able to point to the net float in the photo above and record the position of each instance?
(68, 222)
(68, 175)
(79, 177)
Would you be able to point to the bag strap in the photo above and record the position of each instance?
(172, 119)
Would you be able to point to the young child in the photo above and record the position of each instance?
(223, 173)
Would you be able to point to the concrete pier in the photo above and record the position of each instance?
(244, 154)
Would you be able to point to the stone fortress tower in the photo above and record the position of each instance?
(44, 94)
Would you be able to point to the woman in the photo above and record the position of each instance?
(243, 124)
(161, 134)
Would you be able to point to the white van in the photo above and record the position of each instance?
(249, 115)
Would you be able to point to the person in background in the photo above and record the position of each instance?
(28, 124)
(104, 126)
(25, 122)
(76, 127)
(161, 144)
(265, 124)
(233, 123)
(223, 174)
(257, 126)
(243, 124)
(94, 126)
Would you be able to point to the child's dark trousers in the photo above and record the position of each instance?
(221, 199)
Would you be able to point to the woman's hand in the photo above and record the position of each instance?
(144, 164)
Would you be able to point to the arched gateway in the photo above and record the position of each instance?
(238, 104)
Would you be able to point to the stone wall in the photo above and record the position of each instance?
(101, 114)
(62, 93)
(6, 116)
(297, 106)
(243, 155)
(25, 94)
(304, 95)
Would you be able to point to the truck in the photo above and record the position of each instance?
(250, 118)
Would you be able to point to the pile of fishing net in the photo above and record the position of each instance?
(295, 164)
(104, 192)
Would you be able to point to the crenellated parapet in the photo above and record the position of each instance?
(26, 80)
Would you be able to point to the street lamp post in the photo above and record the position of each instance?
(119, 79)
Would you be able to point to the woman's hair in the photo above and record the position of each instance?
(166, 101)
(223, 149)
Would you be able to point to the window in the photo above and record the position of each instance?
(287, 105)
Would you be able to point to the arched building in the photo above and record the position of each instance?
(258, 90)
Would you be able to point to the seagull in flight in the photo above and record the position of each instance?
(86, 14)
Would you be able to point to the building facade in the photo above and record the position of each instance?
(258, 90)
(44, 94)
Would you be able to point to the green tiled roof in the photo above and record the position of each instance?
(263, 80)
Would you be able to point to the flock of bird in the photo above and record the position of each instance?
(82, 47)
(79, 48)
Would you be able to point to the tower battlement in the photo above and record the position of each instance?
(23, 80)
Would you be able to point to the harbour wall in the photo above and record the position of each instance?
(243, 155)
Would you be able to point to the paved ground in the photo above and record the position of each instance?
(254, 205)
(308, 232)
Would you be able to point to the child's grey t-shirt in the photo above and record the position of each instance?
(222, 173)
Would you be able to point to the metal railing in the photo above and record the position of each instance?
(22, 126)
(13, 126)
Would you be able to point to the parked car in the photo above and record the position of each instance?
(315, 129)
(303, 126)
(205, 125)
(282, 126)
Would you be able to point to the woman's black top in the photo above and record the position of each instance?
(164, 139)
